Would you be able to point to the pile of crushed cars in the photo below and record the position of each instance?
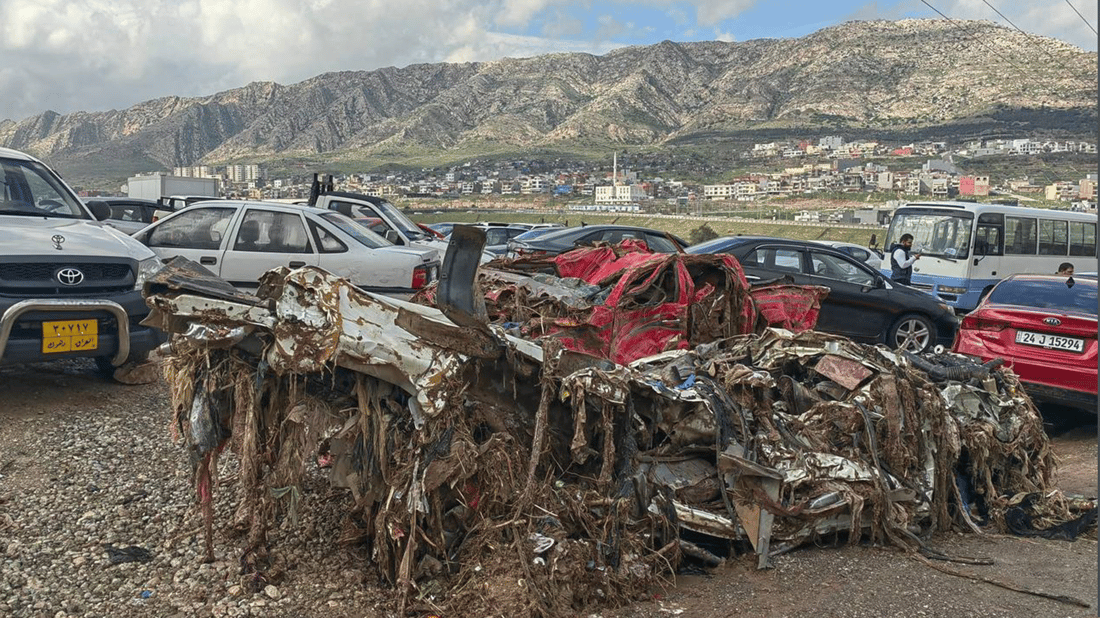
(541, 436)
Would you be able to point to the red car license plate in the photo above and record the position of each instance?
(1053, 342)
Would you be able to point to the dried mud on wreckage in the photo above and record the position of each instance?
(565, 434)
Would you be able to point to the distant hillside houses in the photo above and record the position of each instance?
(835, 147)
(834, 166)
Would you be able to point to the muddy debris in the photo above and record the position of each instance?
(568, 434)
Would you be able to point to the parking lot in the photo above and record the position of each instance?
(90, 472)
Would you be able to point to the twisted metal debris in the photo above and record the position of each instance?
(515, 468)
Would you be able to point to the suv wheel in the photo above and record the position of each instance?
(912, 333)
(103, 363)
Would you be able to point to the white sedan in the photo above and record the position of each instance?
(241, 240)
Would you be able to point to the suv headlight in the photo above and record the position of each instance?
(146, 269)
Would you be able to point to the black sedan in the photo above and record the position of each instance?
(862, 304)
(559, 241)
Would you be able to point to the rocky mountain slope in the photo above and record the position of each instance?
(874, 78)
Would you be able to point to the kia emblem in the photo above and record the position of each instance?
(1051, 321)
(70, 276)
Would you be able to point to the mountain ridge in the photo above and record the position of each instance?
(874, 77)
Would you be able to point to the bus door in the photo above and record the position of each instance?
(989, 248)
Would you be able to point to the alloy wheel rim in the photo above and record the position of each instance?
(912, 336)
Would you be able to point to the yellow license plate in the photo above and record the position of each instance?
(69, 336)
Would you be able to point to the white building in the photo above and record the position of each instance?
(242, 173)
(194, 171)
(619, 194)
(719, 192)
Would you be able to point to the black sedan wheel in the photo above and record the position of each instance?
(912, 333)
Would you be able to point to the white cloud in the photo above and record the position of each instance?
(1052, 18)
(71, 55)
(710, 12)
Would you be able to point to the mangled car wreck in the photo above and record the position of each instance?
(568, 432)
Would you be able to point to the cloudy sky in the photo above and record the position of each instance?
(96, 55)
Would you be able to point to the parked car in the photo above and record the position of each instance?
(536, 232)
(497, 236)
(560, 240)
(69, 285)
(862, 304)
(128, 214)
(1045, 330)
(443, 228)
(240, 240)
(488, 224)
(170, 204)
(859, 252)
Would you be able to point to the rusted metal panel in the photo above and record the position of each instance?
(847, 373)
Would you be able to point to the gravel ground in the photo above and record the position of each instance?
(87, 465)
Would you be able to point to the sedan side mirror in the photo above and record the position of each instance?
(100, 210)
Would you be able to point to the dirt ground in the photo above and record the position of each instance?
(821, 581)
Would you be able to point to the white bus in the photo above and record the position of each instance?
(967, 247)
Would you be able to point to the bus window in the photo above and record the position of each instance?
(989, 238)
(950, 238)
(1082, 238)
(1020, 236)
(1052, 237)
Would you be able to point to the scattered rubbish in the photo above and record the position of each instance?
(132, 553)
(541, 542)
(640, 413)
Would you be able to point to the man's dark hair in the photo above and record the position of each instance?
(1064, 266)
(905, 237)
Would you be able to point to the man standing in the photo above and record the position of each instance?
(901, 260)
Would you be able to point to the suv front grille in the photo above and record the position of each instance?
(41, 271)
(30, 279)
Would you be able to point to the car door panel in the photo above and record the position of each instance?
(765, 263)
(855, 307)
(197, 234)
(264, 240)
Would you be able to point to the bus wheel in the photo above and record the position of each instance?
(912, 333)
(985, 293)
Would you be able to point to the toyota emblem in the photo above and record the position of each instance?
(58, 240)
(70, 276)
(1051, 321)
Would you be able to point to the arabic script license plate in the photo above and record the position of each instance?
(1053, 342)
(69, 336)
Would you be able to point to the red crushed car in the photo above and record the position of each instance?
(1044, 327)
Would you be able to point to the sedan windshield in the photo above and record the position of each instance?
(401, 222)
(30, 189)
(1047, 294)
(935, 233)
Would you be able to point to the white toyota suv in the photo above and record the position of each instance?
(69, 285)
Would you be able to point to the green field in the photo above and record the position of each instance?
(681, 226)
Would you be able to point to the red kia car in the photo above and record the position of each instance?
(1044, 327)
